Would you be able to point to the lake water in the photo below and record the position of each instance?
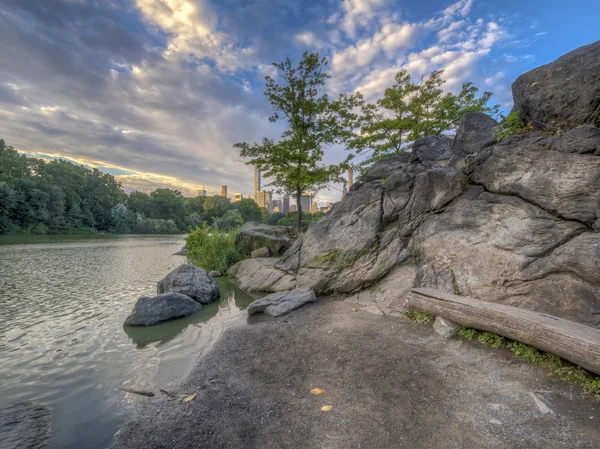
(63, 301)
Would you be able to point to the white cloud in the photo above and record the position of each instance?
(192, 31)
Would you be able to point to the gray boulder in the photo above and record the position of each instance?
(432, 151)
(445, 328)
(563, 94)
(260, 252)
(215, 274)
(191, 281)
(476, 130)
(25, 425)
(277, 239)
(516, 223)
(167, 306)
(280, 303)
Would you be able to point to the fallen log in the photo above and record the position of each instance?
(572, 341)
(140, 392)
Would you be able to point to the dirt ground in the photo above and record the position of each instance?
(391, 384)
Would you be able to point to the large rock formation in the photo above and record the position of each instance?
(277, 239)
(563, 94)
(149, 311)
(513, 221)
(191, 281)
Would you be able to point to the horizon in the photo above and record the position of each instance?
(156, 92)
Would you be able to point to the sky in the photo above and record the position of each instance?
(156, 92)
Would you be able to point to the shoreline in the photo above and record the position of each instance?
(390, 383)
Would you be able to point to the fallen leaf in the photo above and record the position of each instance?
(190, 398)
(326, 408)
(355, 310)
(317, 391)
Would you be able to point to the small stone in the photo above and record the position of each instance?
(260, 253)
(445, 328)
(215, 274)
(495, 421)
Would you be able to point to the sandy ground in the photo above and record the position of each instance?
(391, 384)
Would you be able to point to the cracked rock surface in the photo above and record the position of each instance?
(513, 222)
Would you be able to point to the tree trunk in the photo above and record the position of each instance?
(298, 209)
(572, 341)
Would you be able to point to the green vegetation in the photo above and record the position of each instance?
(420, 317)
(512, 124)
(213, 249)
(312, 123)
(408, 111)
(564, 370)
(58, 197)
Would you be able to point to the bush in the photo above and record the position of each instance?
(213, 249)
(232, 219)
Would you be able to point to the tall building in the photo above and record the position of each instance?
(305, 203)
(257, 184)
(293, 208)
(285, 208)
(224, 191)
(202, 192)
(264, 199)
(313, 207)
(350, 178)
(277, 205)
(238, 197)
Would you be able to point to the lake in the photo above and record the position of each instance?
(63, 300)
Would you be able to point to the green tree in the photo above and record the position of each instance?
(215, 207)
(312, 122)
(248, 209)
(168, 204)
(408, 111)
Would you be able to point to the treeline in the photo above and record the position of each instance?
(59, 197)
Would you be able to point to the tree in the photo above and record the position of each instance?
(169, 204)
(312, 122)
(249, 210)
(408, 111)
(215, 207)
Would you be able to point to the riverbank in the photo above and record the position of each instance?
(390, 383)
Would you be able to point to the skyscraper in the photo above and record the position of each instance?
(257, 184)
(202, 192)
(238, 197)
(305, 203)
(224, 191)
(286, 205)
(350, 178)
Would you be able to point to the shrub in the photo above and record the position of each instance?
(420, 317)
(510, 126)
(213, 249)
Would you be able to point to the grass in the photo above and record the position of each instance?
(563, 369)
(212, 249)
(419, 317)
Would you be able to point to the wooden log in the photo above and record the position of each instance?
(577, 343)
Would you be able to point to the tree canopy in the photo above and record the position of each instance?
(312, 121)
(408, 111)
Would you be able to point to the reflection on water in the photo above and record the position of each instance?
(232, 300)
(63, 301)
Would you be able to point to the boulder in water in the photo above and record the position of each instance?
(167, 306)
(191, 281)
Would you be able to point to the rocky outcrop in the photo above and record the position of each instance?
(149, 311)
(260, 252)
(280, 303)
(191, 281)
(563, 94)
(513, 222)
(277, 239)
